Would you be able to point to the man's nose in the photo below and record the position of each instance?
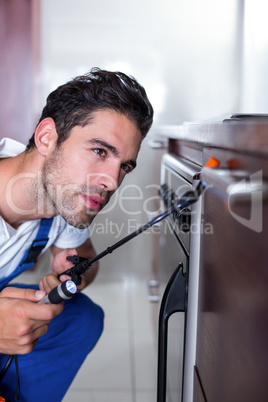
(109, 181)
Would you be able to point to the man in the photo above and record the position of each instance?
(86, 141)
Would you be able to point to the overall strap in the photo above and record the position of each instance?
(38, 244)
(30, 256)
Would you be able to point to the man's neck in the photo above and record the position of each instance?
(22, 197)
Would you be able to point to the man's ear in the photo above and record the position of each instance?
(46, 136)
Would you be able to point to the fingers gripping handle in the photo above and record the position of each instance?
(62, 292)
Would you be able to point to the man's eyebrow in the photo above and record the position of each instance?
(104, 144)
(111, 148)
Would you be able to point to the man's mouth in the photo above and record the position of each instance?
(94, 202)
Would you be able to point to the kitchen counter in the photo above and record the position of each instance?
(247, 136)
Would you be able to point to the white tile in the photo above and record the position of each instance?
(108, 366)
(145, 396)
(113, 297)
(145, 313)
(145, 353)
(98, 396)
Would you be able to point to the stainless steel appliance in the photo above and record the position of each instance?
(176, 178)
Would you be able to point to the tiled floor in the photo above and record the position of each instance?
(122, 367)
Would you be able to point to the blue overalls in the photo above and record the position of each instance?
(46, 373)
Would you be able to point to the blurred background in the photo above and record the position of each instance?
(198, 61)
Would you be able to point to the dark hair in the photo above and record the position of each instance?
(73, 103)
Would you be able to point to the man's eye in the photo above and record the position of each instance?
(126, 168)
(99, 151)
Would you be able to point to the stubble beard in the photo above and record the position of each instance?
(64, 196)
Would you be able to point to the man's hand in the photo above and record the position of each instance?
(22, 320)
(59, 264)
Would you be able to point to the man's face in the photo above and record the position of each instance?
(81, 175)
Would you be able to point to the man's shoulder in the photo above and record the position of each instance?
(10, 147)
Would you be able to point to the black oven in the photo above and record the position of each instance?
(176, 179)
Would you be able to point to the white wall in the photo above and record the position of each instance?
(186, 53)
(254, 95)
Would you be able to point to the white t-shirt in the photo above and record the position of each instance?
(14, 243)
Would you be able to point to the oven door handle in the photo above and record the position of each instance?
(173, 301)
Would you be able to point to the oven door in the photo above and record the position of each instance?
(176, 179)
(174, 263)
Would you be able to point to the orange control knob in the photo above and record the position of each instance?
(212, 163)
